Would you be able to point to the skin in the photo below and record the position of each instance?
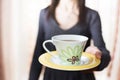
(95, 51)
(70, 16)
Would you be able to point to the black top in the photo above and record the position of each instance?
(49, 28)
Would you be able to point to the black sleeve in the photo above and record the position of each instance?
(96, 33)
(36, 67)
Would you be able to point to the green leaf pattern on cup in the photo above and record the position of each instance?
(71, 54)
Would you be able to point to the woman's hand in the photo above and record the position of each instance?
(94, 50)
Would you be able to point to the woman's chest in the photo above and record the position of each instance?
(51, 28)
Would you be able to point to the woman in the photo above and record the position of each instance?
(69, 17)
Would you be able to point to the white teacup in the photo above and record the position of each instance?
(69, 47)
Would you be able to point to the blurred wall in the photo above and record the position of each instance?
(19, 31)
(1, 58)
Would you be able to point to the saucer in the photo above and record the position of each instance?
(87, 61)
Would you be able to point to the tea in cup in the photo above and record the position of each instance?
(68, 47)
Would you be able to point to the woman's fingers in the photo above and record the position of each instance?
(98, 54)
(95, 51)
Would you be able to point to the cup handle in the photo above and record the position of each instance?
(47, 41)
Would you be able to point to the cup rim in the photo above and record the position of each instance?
(83, 38)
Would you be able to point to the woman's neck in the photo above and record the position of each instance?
(68, 5)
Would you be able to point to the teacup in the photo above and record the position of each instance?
(69, 48)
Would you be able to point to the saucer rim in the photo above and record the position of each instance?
(44, 59)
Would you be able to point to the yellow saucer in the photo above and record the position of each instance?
(45, 59)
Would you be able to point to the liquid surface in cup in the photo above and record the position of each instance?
(71, 40)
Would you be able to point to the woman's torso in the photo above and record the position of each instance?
(51, 28)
